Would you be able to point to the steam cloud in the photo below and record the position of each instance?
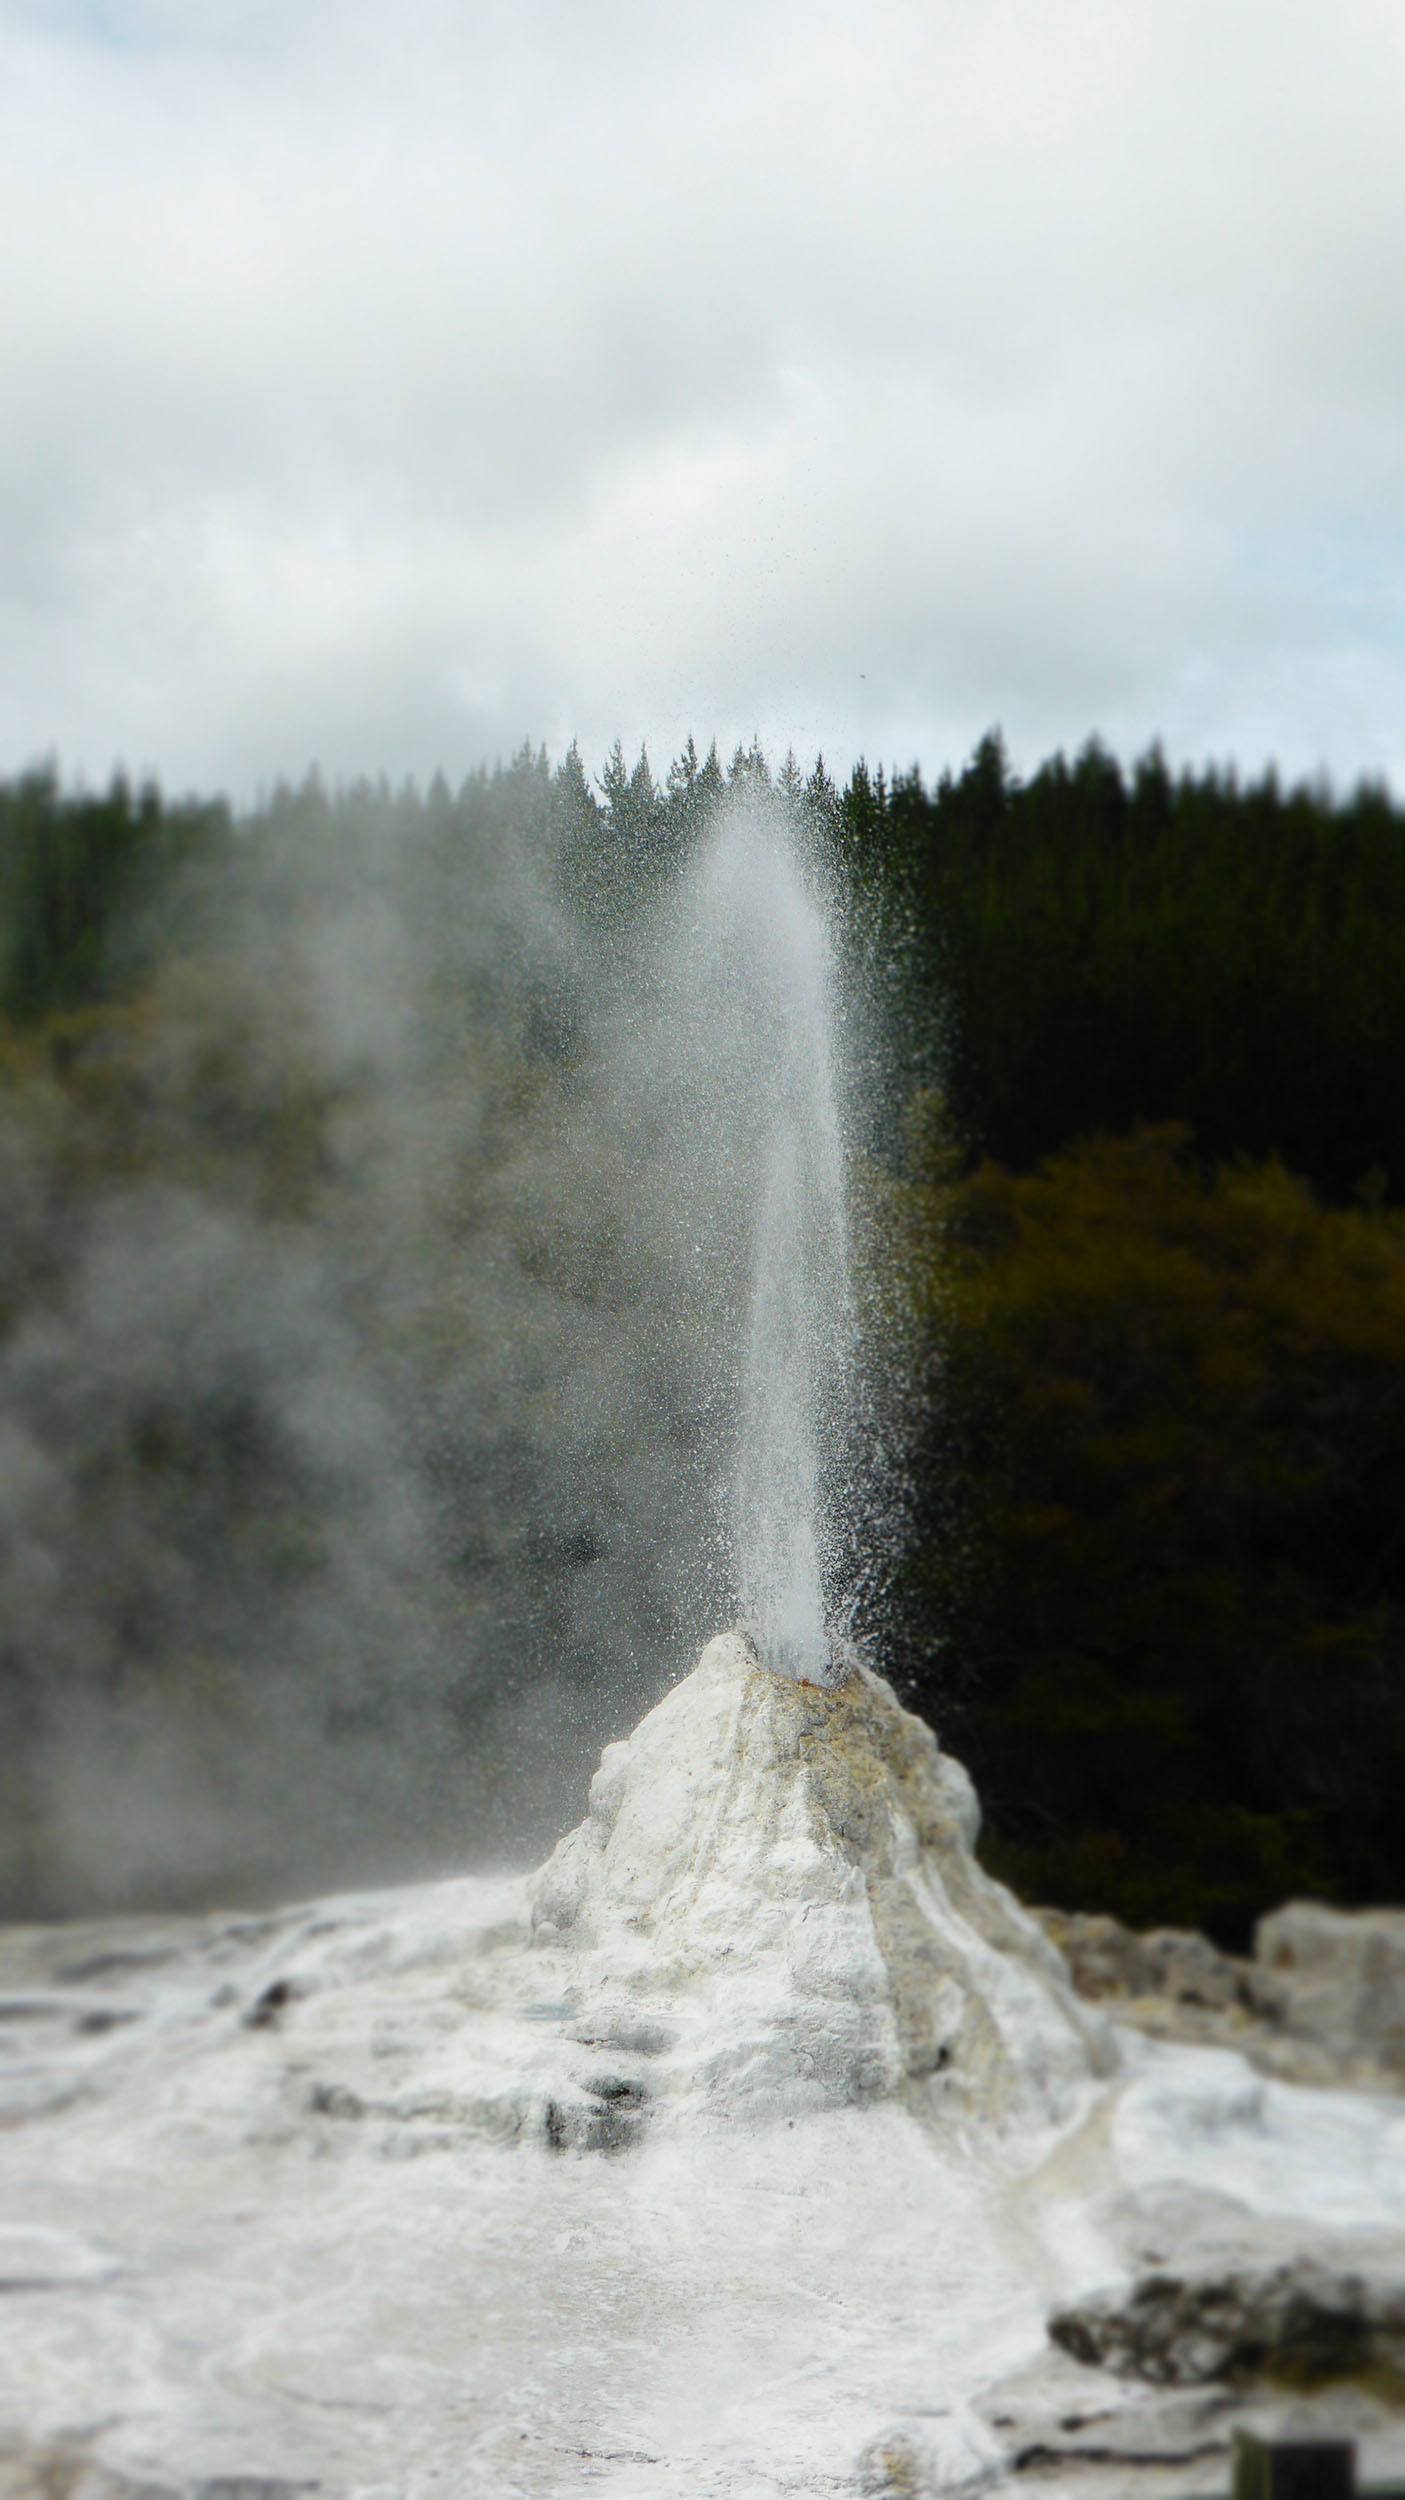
(375, 1297)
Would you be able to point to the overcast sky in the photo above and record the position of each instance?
(384, 384)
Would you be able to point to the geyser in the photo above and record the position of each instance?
(755, 981)
(773, 1905)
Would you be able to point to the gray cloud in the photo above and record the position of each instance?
(383, 387)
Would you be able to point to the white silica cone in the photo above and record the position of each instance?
(779, 1880)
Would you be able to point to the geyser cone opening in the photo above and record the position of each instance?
(824, 1669)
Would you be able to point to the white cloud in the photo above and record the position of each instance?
(388, 385)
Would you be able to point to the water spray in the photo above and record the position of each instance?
(760, 969)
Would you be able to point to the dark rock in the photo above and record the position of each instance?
(333, 2100)
(1299, 2324)
(606, 2118)
(264, 2013)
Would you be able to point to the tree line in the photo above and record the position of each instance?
(1065, 955)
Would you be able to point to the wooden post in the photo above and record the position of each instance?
(1293, 2469)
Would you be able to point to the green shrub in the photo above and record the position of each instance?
(1170, 1642)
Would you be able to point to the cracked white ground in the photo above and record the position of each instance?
(743, 2151)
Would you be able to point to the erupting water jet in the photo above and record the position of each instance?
(757, 996)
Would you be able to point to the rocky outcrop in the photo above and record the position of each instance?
(1108, 1960)
(1336, 1977)
(1322, 2001)
(1303, 2324)
(782, 1878)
